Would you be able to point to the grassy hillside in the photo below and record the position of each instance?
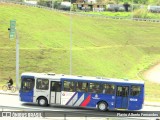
(100, 47)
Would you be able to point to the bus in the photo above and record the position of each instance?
(82, 91)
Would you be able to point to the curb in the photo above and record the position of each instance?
(152, 104)
(9, 93)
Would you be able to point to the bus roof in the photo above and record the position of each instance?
(86, 78)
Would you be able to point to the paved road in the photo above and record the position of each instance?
(11, 102)
(153, 73)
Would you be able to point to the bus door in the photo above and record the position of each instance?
(55, 95)
(136, 98)
(122, 97)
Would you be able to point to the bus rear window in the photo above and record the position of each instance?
(135, 90)
(27, 84)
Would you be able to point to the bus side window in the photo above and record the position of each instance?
(85, 87)
(94, 87)
(108, 89)
(79, 86)
(69, 86)
(39, 84)
(42, 84)
(135, 90)
(82, 86)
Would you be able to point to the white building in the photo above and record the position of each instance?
(90, 1)
(153, 8)
(31, 2)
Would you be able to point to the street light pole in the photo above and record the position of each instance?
(12, 33)
(70, 40)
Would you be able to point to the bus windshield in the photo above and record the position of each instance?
(27, 84)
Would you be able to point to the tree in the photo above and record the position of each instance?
(155, 2)
(140, 1)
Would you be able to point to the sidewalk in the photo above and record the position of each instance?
(8, 92)
(17, 93)
(152, 103)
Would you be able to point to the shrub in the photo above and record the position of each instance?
(136, 6)
(140, 13)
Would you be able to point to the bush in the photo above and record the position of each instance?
(140, 13)
(45, 3)
(136, 6)
(74, 8)
(57, 5)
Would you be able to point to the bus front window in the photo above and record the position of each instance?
(27, 84)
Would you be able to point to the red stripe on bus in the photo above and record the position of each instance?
(86, 101)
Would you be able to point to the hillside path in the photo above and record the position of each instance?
(153, 73)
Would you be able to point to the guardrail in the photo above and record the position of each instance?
(7, 111)
(60, 115)
(83, 14)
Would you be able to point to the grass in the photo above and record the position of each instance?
(111, 14)
(139, 13)
(100, 47)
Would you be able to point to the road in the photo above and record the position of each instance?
(153, 73)
(11, 102)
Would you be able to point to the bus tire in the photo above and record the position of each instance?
(42, 101)
(102, 106)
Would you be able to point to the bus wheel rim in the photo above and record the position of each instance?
(42, 101)
(102, 106)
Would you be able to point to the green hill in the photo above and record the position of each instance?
(100, 47)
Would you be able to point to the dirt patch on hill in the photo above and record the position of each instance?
(153, 74)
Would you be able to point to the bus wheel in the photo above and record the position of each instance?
(42, 101)
(102, 106)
